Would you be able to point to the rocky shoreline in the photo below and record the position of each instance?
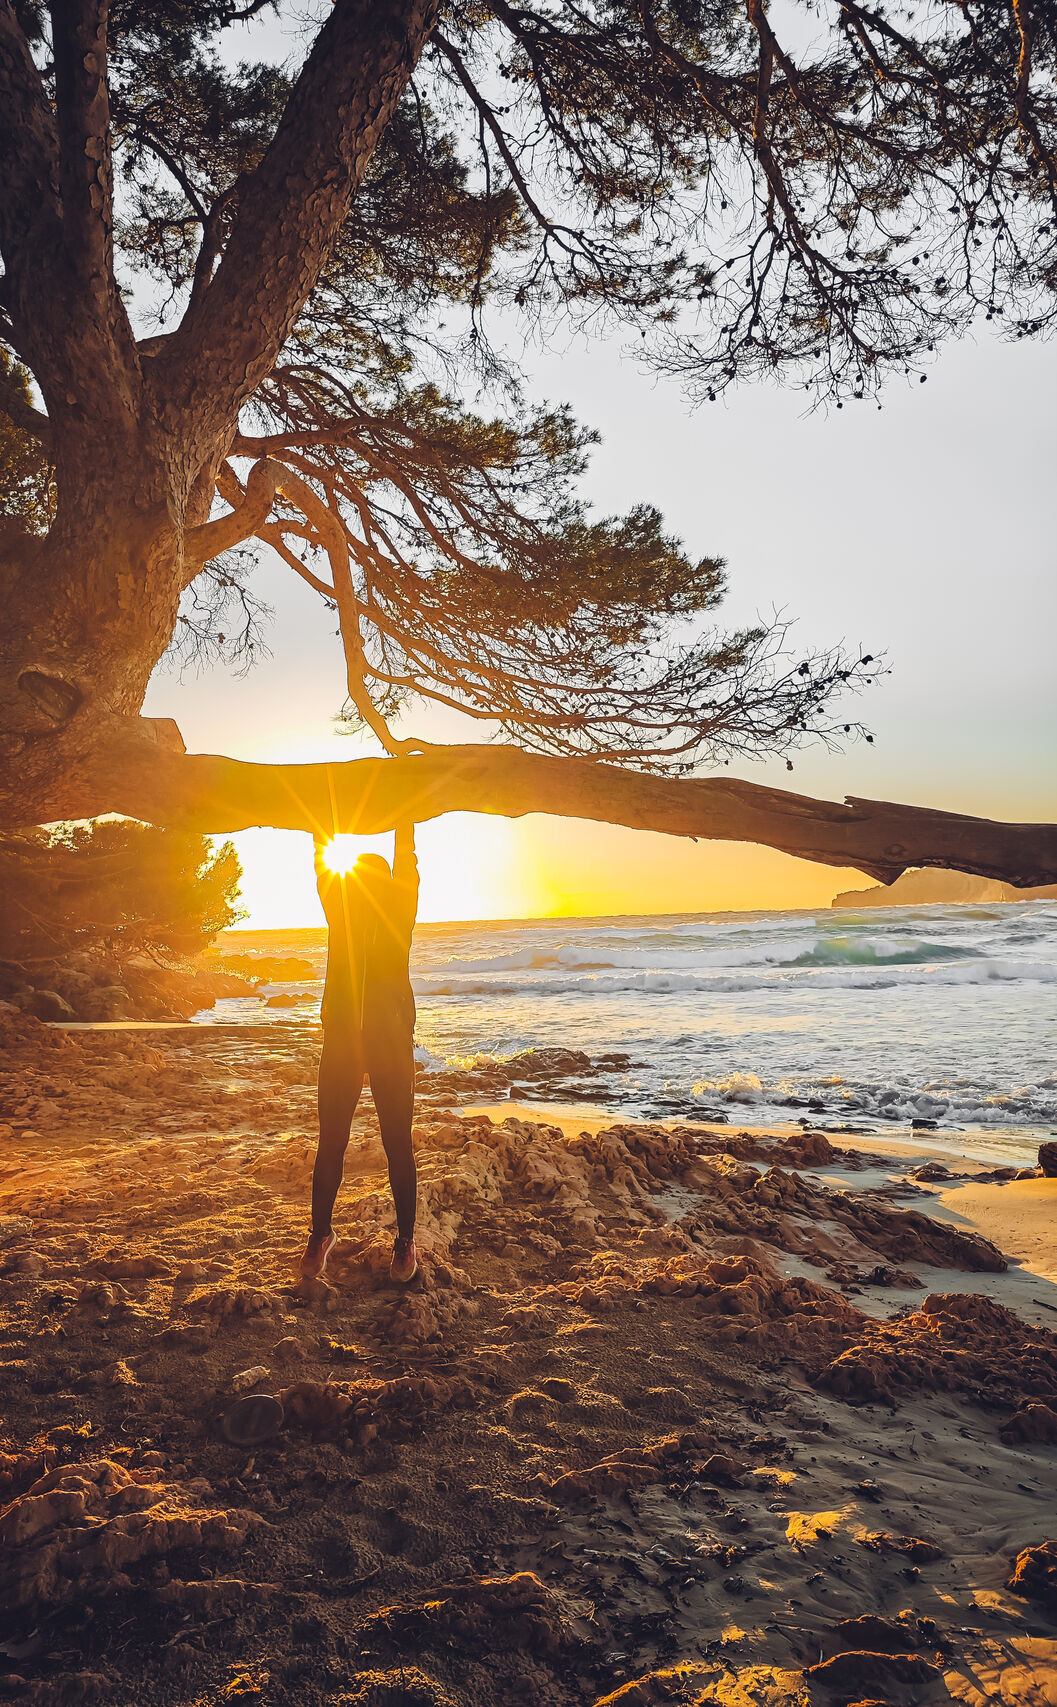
(95, 987)
(674, 1413)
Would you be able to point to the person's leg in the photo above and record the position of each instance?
(340, 1083)
(391, 1064)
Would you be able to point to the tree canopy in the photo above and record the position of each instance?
(115, 885)
(338, 228)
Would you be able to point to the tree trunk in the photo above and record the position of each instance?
(87, 613)
(141, 770)
(136, 432)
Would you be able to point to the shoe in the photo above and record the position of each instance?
(404, 1265)
(317, 1251)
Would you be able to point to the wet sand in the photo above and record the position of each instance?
(1020, 1217)
(673, 1413)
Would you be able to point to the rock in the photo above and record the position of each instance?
(910, 1546)
(894, 1673)
(720, 1470)
(869, 1631)
(1034, 1574)
(29, 1263)
(923, 888)
(228, 1303)
(1034, 1424)
(282, 1000)
(44, 1004)
(71, 1535)
(247, 1378)
(367, 1409)
(1048, 1159)
(107, 1002)
(73, 985)
(125, 1267)
(289, 1350)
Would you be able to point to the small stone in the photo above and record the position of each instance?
(247, 1378)
(289, 1350)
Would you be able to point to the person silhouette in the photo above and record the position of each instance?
(368, 1016)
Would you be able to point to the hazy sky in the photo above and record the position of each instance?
(924, 530)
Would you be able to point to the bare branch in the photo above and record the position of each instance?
(334, 540)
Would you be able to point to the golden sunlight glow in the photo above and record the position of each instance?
(341, 854)
(474, 866)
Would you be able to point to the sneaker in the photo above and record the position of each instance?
(317, 1251)
(404, 1265)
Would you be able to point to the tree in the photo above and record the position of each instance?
(822, 215)
(119, 886)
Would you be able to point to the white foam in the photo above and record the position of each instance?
(798, 979)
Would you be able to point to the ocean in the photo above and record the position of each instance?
(872, 1019)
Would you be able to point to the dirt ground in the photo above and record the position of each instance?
(665, 1418)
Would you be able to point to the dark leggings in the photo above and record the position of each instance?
(384, 1050)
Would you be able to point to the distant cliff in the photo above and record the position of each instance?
(924, 888)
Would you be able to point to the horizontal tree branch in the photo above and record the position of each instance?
(141, 771)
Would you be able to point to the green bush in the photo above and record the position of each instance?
(114, 884)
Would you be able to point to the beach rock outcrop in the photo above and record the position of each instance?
(1048, 1159)
(369, 1408)
(518, 1611)
(640, 1467)
(1034, 1575)
(956, 1342)
(1032, 1424)
(913, 1547)
(855, 1675)
(74, 1532)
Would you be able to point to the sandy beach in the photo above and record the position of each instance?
(678, 1413)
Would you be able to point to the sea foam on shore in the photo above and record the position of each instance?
(942, 1013)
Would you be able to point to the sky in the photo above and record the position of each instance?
(923, 530)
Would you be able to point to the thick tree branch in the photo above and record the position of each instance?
(56, 229)
(291, 208)
(30, 220)
(135, 775)
(82, 113)
(245, 519)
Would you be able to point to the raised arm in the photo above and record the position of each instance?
(405, 872)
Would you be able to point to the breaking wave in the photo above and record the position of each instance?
(870, 973)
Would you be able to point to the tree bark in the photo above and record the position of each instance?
(137, 433)
(290, 210)
(141, 771)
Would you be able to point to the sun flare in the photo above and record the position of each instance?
(341, 854)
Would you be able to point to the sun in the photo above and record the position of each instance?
(341, 854)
